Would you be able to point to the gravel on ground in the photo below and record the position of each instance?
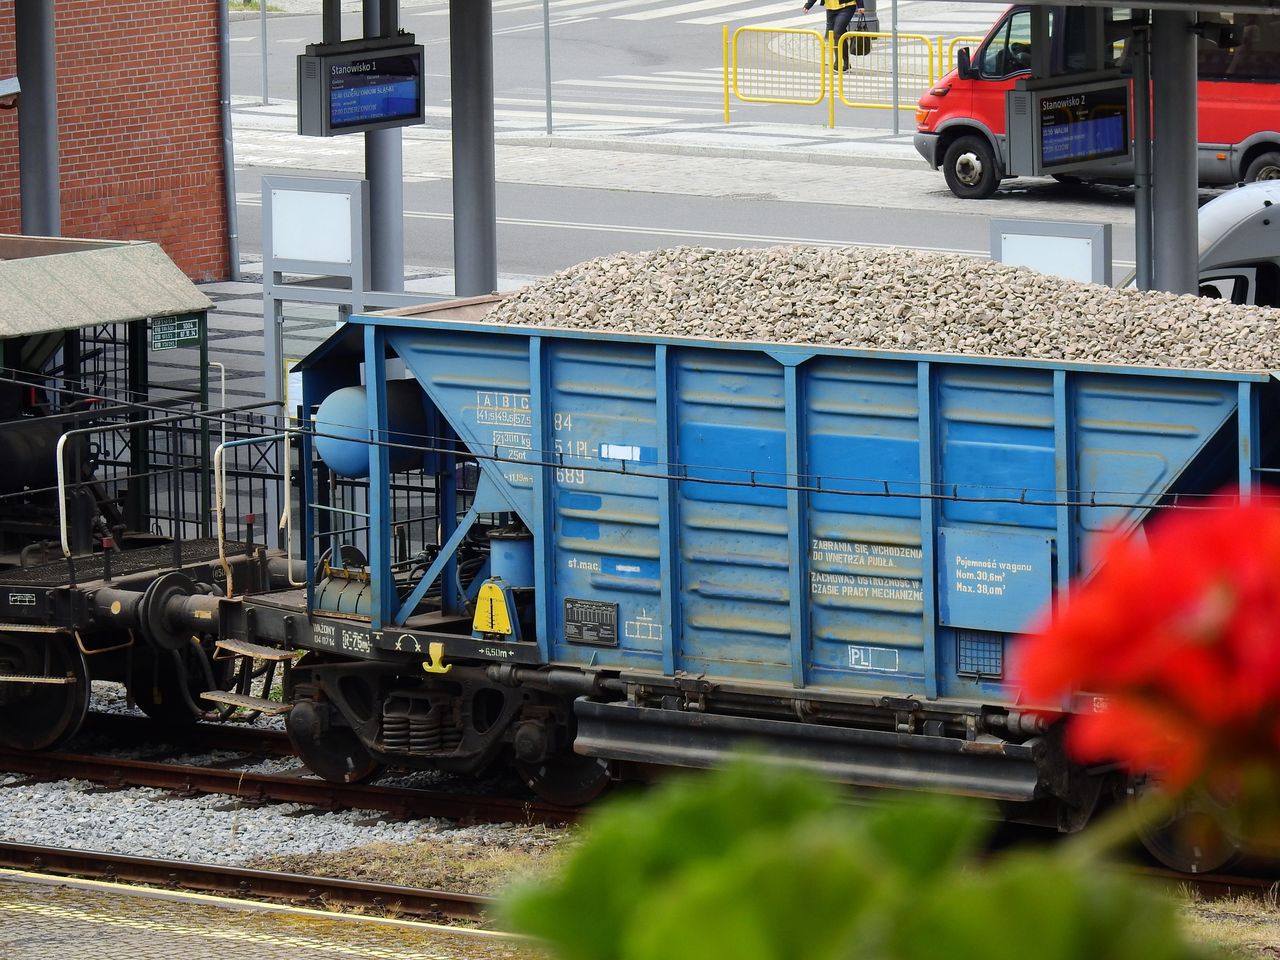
(477, 860)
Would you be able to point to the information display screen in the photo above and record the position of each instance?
(1082, 126)
(375, 89)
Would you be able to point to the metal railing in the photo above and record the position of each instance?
(887, 71)
(779, 66)
(955, 44)
(872, 80)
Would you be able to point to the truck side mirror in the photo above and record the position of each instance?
(964, 66)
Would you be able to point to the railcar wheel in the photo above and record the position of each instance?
(1194, 837)
(567, 779)
(331, 752)
(42, 716)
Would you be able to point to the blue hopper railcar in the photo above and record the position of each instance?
(655, 549)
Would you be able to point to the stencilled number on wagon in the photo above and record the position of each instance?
(563, 421)
(571, 448)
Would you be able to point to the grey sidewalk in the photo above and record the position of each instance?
(793, 142)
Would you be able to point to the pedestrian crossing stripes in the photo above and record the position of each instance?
(914, 16)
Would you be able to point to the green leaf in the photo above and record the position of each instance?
(802, 893)
(637, 846)
(1037, 905)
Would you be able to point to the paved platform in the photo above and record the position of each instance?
(43, 919)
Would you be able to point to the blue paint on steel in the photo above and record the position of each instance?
(772, 514)
(480, 384)
(1139, 435)
(511, 558)
(926, 400)
(342, 432)
(668, 522)
(864, 554)
(798, 530)
(543, 555)
(451, 601)
(1250, 439)
(993, 581)
(1064, 478)
(380, 533)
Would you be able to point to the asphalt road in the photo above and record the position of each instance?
(543, 229)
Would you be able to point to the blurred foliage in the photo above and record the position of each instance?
(756, 862)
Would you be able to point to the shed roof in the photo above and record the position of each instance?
(49, 284)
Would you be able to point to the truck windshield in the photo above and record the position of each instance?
(1009, 50)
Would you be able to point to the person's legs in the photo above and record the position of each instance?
(839, 26)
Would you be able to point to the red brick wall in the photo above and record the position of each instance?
(139, 130)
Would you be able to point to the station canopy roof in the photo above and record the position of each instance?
(49, 284)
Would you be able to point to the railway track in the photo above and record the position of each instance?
(1211, 886)
(259, 788)
(243, 883)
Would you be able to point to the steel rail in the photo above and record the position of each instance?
(1210, 886)
(244, 883)
(132, 730)
(255, 788)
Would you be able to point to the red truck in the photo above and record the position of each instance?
(960, 121)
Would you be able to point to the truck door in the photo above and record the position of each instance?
(1002, 60)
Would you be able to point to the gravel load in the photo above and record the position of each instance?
(896, 300)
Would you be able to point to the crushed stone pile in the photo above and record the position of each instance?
(896, 300)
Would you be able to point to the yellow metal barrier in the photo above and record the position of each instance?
(778, 66)
(955, 44)
(869, 81)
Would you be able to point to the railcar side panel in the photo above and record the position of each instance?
(804, 517)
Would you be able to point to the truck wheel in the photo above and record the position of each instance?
(969, 167)
(1265, 166)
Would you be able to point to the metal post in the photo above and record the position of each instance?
(1175, 181)
(272, 344)
(331, 21)
(546, 56)
(724, 42)
(384, 169)
(1142, 154)
(262, 42)
(205, 512)
(228, 146)
(893, 29)
(38, 157)
(475, 204)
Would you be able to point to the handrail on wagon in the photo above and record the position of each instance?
(220, 506)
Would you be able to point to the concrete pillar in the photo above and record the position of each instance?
(384, 169)
(38, 118)
(1174, 192)
(475, 204)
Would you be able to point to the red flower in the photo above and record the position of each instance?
(1180, 635)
